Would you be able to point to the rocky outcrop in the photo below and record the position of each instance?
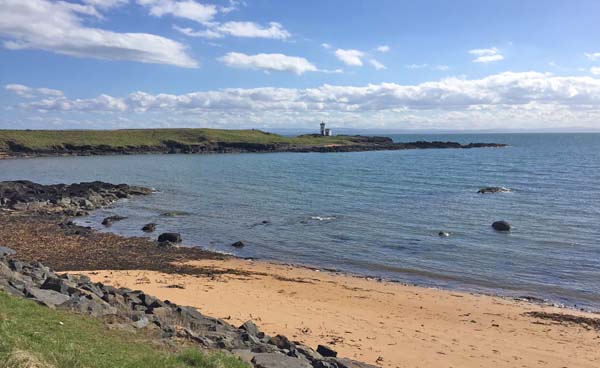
(72, 200)
(138, 310)
(169, 237)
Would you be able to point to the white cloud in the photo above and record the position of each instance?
(376, 64)
(383, 48)
(486, 55)
(186, 9)
(440, 67)
(595, 70)
(593, 56)
(29, 92)
(57, 27)
(269, 62)
(503, 100)
(106, 4)
(326, 45)
(238, 29)
(350, 57)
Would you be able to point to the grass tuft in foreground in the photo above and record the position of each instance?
(33, 336)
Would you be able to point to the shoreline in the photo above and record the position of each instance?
(367, 319)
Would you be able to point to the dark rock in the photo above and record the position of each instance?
(169, 237)
(4, 251)
(148, 228)
(109, 220)
(174, 213)
(501, 226)
(252, 329)
(491, 190)
(60, 285)
(88, 304)
(238, 244)
(326, 351)
(281, 342)
(444, 234)
(278, 360)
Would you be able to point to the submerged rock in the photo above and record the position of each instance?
(501, 226)
(490, 190)
(238, 244)
(444, 234)
(109, 220)
(174, 213)
(170, 237)
(148, 228)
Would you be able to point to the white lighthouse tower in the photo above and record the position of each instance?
(322, 128)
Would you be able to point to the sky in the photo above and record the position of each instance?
(271, 64)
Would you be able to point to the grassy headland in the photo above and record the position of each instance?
(35, 336)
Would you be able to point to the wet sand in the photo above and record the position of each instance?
(384, 323)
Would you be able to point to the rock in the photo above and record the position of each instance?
(60, 285)
(238, 244)
(444, 234)
(4, 251)
(326, 351)
(174, 213)
(252, 329)
(170, 237)
(109, 220)
(88, 304)
(148, 228)
(501, 226)
(491, 190)
(278, 360)
(49, 298)
(281, 342)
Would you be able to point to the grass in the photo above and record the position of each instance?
(33, 336)
(47, 139)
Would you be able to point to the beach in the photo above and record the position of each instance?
(378, 322)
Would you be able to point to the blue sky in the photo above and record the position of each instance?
(500, 65)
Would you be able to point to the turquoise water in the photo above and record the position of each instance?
(379, 213)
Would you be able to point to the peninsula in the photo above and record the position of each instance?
(28, 143)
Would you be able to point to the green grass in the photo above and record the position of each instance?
(46, 139)
(35, 336)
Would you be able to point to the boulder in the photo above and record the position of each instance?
(49, 298)
(501, 226)
(491, 190)
(238, 244)
(252, 329)
(169, 237)
(109, 220)
(59, 284)
(444, 234)
(326, 351)
(278, 360)
(4, 251)
(281, 342)
(148, 228)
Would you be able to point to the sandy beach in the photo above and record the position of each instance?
(382, 323)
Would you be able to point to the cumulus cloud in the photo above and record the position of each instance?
(376, 64)
(383, 48)
(58, 27)
(592, 56)
(350, 57)
(239, 29)
(440, 67)
(486, 55)
(326, 45)
(504, 90)
(269, 62)
(186, 9)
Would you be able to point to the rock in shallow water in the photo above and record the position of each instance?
(490, 190)
(109, 220)
(170, 237)
(444, 234)
(501, 226)
(238, 244)
(148, 228)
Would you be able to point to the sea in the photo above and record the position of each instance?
(378, 213)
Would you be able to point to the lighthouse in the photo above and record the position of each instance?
(322, 128)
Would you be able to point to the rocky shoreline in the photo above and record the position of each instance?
(31, 212)
(361, 144)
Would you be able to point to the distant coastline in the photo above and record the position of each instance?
(36, 143)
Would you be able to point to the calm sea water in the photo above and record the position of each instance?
(379, 213)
